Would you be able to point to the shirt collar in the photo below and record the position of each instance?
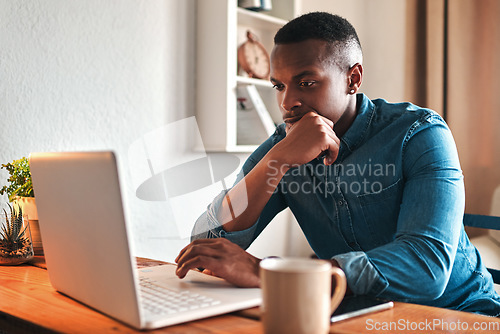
(356, 134)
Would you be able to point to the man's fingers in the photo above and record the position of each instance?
(201, 242)
(330, 157)
(209, 272)
(222, 258)
(195, 262)
(196, 249)
(180, 254)
(202, 253)
(333, 150)
(328, 122)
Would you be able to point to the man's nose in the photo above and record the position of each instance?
(290, 100)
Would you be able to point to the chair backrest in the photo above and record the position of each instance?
(495, 211)
(486, 222)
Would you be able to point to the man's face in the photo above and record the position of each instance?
(307, 79)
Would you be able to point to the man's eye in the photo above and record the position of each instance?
(278, 86)
(306, 83)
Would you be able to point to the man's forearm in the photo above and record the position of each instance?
(251, 194)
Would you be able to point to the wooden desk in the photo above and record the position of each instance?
(29, 304)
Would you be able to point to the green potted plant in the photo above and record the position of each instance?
(20, 192)
(15, 238)
(20, 183)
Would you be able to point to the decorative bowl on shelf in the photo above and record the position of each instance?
(16, 246)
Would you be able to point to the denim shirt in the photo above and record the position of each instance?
(389, 210)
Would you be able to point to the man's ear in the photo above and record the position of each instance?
(355, 77)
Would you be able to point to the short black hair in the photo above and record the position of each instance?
(331, 28)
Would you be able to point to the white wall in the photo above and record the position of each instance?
(92, 75)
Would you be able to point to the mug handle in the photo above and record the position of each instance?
(340, 288)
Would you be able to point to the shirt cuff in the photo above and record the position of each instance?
(242, 238)
(206, 225)
(362, 277)
(214, 228)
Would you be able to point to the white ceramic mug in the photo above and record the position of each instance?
(296, 295)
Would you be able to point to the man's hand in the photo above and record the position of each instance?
(220, 257)
(308, 137)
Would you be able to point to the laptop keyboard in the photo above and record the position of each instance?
(161, 300)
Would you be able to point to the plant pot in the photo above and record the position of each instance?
(20, 251)
(28, 205)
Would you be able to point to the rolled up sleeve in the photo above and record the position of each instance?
(208, 226)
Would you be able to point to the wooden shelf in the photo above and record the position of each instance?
(221, 28)
(264, 21)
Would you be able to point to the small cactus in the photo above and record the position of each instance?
(15, 242)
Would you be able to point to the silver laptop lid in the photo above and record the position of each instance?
(84, 236)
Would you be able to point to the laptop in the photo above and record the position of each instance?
(86, 240)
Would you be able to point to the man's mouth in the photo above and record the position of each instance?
(291, 120)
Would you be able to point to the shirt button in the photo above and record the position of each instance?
(341, 202)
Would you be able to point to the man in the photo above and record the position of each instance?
(376, 187)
